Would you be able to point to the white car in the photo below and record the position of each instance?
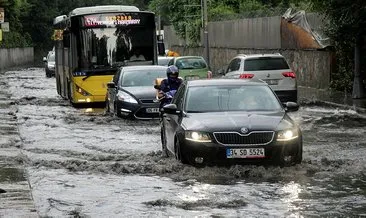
(271, 68)
(49, 62)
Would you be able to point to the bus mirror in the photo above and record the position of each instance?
(161, 48)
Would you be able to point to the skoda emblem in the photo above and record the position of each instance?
(244, 130)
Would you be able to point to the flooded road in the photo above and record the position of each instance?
(83, 163)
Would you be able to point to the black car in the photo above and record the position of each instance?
(131, 94)
(230, 121)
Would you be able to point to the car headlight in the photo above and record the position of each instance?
(287, 135)
(197, 136)
(123, 96)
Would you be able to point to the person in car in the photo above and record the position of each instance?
(169, 84)
(137, 56)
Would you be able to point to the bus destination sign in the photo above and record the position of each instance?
(109, 20)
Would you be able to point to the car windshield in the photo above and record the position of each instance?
(265, 63)
(191, 63)
(111, 47)
(141, 77)
(231, 98)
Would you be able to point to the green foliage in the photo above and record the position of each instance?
(179, 15)
(347, 21)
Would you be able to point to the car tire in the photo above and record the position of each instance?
(178, 153)
(48, 74)
(117, 111)
(164, 148)
(298, 158)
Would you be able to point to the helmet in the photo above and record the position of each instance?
(172, 70)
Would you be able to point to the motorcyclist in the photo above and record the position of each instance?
(169, 86)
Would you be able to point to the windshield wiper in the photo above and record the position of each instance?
(89, 75)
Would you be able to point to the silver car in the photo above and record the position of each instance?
(271, 68)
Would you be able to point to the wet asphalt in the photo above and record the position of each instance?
(81, 162)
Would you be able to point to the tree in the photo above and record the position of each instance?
(346, 27)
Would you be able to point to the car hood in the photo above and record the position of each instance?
(141, 92)
(234, 121)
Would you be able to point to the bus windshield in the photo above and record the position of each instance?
(112, 47)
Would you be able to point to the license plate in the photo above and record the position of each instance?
(152, 110)
(245, 153)
(192, 77)
(272, 82)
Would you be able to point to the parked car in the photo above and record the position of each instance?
(50, 64)
(230, 121)
(271, 68)
(131, 93)
(191, 67)
(164, 60)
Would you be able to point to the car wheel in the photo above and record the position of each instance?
(178, 154)
(48, 74)
(164, 148)
(117, 111)
(298, 159)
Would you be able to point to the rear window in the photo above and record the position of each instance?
(265, 63)
(191, 63)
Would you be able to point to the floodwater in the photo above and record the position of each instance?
(83, 163)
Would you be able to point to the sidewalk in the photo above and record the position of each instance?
(15, 194)
(336, 99)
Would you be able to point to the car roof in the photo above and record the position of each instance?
(164, 57)
(144, 67)
(182, 57)
(276, 55)
(225, 82)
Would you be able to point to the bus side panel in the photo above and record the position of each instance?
(58, 67)
(65, 81)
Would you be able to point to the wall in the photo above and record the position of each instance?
(16, 57)
(313, 68)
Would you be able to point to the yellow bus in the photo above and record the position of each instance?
(91, 43)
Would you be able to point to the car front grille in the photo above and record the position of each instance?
(253, 138)
(147, 101)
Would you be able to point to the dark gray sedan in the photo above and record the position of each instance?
(230, 121)
(131, 94)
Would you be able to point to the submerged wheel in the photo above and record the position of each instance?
(178, 154)
(164, 148)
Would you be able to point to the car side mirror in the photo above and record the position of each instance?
(170, 109)
(111, 85)
(291, 106)
(44, 59)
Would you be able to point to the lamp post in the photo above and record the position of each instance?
(205, 32)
